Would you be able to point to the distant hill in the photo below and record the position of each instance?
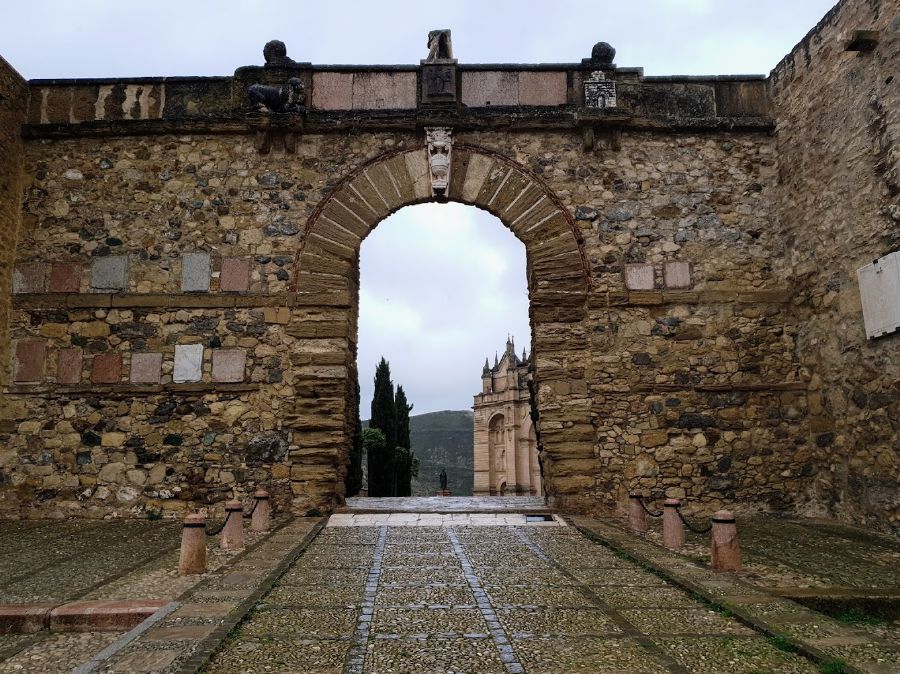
(442, 440)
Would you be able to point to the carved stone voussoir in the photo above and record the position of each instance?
(440, 145)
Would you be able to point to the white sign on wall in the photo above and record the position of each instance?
(879, 287)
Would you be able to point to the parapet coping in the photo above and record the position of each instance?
(474, 67)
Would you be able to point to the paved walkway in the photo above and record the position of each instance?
(484, 599)
(447, 504)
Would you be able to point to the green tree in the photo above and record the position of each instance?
(384, 418)
(403, 457)
(353, 481)
(375, 448)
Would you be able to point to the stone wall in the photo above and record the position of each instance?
(838, 138)
(675, 375)
(13, 108)
(184, 318)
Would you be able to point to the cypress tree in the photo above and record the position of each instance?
(384, 418)
(375, 448)
(403, 454)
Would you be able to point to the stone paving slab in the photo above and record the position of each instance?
(487, 620)
(430, 519)
(819, 637)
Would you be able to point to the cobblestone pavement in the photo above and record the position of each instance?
(846, 571)
(58, 561)
(481, 599)
(447, 504)
(44, 561)
(863, 641)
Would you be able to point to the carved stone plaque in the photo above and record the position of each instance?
(439, 83)
(599, 92)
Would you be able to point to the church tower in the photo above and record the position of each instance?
(506, 460)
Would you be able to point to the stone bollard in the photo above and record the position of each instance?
(673, 529)
(637, 519)
(726, 553)
(262, 511)
(193, 545)
(233, 532)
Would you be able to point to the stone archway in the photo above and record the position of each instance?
(327, 281)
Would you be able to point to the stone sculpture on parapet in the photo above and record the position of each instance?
(440, 46)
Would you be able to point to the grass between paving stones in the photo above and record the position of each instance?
(858, 616)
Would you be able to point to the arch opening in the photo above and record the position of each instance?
(556, 270)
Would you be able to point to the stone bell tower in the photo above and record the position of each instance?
(506, 461)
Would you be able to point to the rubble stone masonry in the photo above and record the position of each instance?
(838, 199)
(186, 283)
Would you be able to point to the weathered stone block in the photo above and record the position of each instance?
(494, 87)
(332, 91)
(235, 276)
(677, 274)
(188, 363)
(30, 357)
(542, 88)
(639, 277)
(195, 271)
(109, 273)
(228, 365)
(106, 368)
(146, 368)
(384, 91)
(68, 366)
(30, 277)
(65, 277)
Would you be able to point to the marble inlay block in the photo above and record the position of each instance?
(30, 277)
(188, 363)
(30, 357)
(195, 271)
(677, 274)
(639, 276)
(235, 276)
(109, 273)
(106, 368)
(146, 368)
(228, 365)
(65, 277)
(68, 366)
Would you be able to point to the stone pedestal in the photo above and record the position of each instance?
(637, 519)
(193, 546)
(261, 518)
(443, 492)
(673, 529)
(233, 533)
(726, 554)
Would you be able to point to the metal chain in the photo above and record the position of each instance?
(219, 530)
(652, 514)
(689, 525)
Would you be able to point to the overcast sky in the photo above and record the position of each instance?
(442, 285)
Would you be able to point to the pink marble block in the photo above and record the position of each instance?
(68, 366)
(677, 274)
(146, 368)
(639, 277)
(235, 275)
(31, 354)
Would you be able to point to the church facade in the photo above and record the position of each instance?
(506, 456)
